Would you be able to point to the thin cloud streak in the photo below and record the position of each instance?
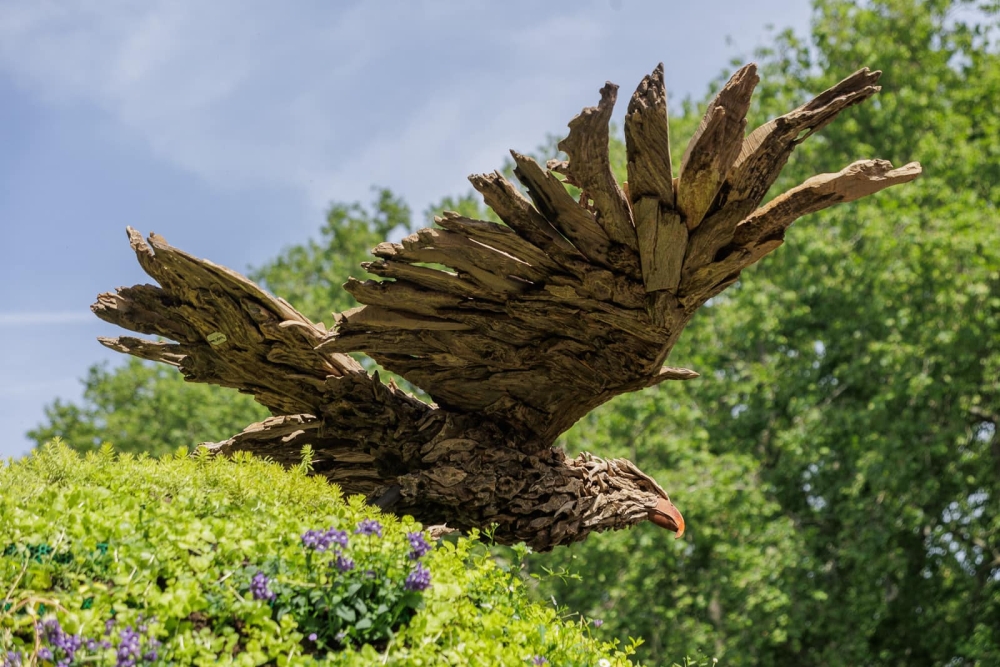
(10, 320)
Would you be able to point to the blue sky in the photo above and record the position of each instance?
(229, 126)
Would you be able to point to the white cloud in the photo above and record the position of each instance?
(46, 318)
(328, 100)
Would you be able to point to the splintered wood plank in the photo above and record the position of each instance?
(715, 146)
(857, 180)
(556, 204)
(694, 288)
(662, 241)
(361, 338)
(500, 237)
(402, 296)
(178, 267)
(647, 143)
(145, 309)
(429, 278)
(381, 317)
(518, 214)
(412, 251)
(589, 167)
(483, 255)
(762, 156)
(167, 353)
(766, 150)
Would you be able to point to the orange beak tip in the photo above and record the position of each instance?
(667, 516)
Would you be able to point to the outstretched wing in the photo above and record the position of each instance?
(225, 330)
(529, 324)
(572, 301)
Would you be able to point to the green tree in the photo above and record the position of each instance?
(852, 382)
(141, 407)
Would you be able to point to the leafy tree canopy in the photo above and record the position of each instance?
(839, 459)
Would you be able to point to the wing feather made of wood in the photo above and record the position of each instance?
(577, 297)
(223, 329)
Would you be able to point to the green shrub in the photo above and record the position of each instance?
(115, 559)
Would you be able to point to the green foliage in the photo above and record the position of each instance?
(718, 587)
(145, 407)
(208, 560)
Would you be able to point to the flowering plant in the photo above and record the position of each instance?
(128, 647)
(359, 586)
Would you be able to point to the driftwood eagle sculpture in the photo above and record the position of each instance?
(532, 324)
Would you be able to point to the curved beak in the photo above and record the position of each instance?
(665, 515)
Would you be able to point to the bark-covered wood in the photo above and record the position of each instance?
(528, 326)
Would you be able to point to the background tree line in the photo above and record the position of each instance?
(838, 462)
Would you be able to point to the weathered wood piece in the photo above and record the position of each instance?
(529, 325)
(663, 240)
(518, 214)
(661, 233)
(857, 180)
(647, 142)
(590, 167)
(573, 221)
(715, 146)
(763, 154)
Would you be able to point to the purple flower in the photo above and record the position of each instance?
(65, 644)
(344, 564)
(369, 527)
(314, 539)
(128, 647)
(598, 622)
(13, 659)
(320, 540)
(44, 653)
(539, 660)
(418, 545)
(108, 624)
(259, 589)
(419, 578)
(335, 536)
(312, 636)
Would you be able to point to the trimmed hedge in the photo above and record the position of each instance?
(115, 559)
